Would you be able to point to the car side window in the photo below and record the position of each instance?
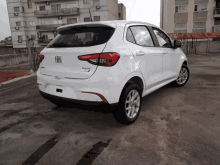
(162, 38)
(129, 36)
(142, 36)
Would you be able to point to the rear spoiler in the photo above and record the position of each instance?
(91, 24)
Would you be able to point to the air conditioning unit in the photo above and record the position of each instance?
(16, 14)
(98, 7)
(60, 17)
(20, 41)
(48, 3)
(17, 28)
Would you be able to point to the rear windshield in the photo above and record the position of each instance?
(82, 37)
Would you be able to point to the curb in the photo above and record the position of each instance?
(18, 78)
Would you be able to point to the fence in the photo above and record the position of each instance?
(21, 55)
(192, 44)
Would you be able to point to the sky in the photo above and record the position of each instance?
(136, 10)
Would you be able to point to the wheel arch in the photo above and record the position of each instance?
(185, 62)
(136, 80)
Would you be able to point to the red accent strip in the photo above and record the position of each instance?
(102, 97)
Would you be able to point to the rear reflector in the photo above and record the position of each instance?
(105, 59)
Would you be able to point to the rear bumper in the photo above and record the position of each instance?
(106, 84)
(80, 103)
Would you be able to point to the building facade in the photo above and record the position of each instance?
(121, 12)
(38, 19)
(190, 16)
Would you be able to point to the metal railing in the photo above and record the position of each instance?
(44, 40)
(58, 12)
(216, 11)
(49, 27)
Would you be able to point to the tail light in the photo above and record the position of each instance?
(41, 57)
(104, 59)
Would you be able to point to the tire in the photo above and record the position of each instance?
(184, 77)
(121, 115)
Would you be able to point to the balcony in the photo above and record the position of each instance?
(216, 28)
(216, 12)
(59, 12)
(39, 1)
(41, 41)
(51, 27)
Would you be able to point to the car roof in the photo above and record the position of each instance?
(117, 22)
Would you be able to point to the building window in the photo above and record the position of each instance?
(16, 9)
(180, 25)
(18, 23)
(176, 9)
(96, 18)
(20, 38)
(42, 8)
(200, 25)
(45, 37)
(32, 23)
(119, 14)
(96, 3)
(71, 20)
(181, 9)
(33, 37)
(85, 1)
(29, 3)
(25, 24)
(87, 19)
(56, 7)
(200, 7)
(22, 9)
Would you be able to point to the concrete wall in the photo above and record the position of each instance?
(200, 47)
(13, 59)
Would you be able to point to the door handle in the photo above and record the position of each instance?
(165, 52)
(140, 53)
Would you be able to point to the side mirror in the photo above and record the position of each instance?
(177, 44)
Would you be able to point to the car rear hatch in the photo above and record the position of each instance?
(61, 55)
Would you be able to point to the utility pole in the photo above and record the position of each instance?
(30, 40)
(90, 15)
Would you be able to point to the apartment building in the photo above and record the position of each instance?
(38, 19)
(190, 16)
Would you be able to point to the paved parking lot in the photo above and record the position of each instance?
(177, 126)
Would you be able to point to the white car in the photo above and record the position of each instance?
(113, 63)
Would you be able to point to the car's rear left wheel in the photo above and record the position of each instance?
(129, 105)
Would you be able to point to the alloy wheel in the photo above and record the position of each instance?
(182, 76)
(132, 104)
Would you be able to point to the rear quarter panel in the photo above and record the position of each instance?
(126, 63)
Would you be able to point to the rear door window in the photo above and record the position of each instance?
(82, 37)
(142, 36)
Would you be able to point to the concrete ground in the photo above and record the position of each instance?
(177, 126)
